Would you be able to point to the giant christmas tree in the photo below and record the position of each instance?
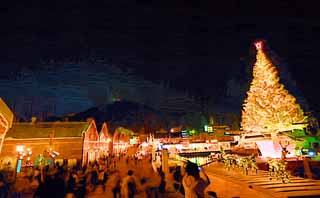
(268, 107)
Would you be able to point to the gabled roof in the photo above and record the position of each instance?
(104, 133)
(23, 130)
(91, 131)
(6, 112)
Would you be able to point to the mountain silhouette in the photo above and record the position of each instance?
(138, 117)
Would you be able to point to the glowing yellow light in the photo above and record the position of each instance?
(20, 148)
(268, 107)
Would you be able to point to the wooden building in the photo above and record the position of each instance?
(121, 139)
(105, 141)
(90, 146)
(71, 142)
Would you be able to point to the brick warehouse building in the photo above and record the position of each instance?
(65, 142)
(71, 142)
(105, 140)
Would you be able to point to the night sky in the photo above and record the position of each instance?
(193, 46)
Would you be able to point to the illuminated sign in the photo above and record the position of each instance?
(311, 153)
(134, 140)
(19, 164)
(208, 128)
(185, 134)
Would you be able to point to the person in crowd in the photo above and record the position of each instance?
(21, 184)
(39, 190)
(189, 180)
(71, 184)
(4, 191)
(35, 183)
(53, 187)
(87, 182)
(203, 183)
(128, 186)
(177, 183)
(153, 181)
(113, 184)
(169, 181)
(194, 184)
(162, 186)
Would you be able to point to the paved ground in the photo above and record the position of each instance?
(234, 183)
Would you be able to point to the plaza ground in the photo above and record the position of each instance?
(234, 183)
(231, 183)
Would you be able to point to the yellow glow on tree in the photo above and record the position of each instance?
(268, 106)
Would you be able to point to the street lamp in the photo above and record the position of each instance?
(20, 148)
(29, 153)
(21, 154)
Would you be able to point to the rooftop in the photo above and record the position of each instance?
(24, 130)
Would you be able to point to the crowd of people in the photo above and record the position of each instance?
(114, 176)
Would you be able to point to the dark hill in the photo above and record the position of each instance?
(138, 117)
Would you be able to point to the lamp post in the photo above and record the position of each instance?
(20, 155)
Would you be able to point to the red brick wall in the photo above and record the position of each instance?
(69, 148)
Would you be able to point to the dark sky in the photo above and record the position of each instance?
(196, 45)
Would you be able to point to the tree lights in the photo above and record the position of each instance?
(268, 106)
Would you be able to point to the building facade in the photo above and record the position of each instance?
(105, 140)
(66, 142)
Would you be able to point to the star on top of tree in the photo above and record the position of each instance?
(259, 45)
